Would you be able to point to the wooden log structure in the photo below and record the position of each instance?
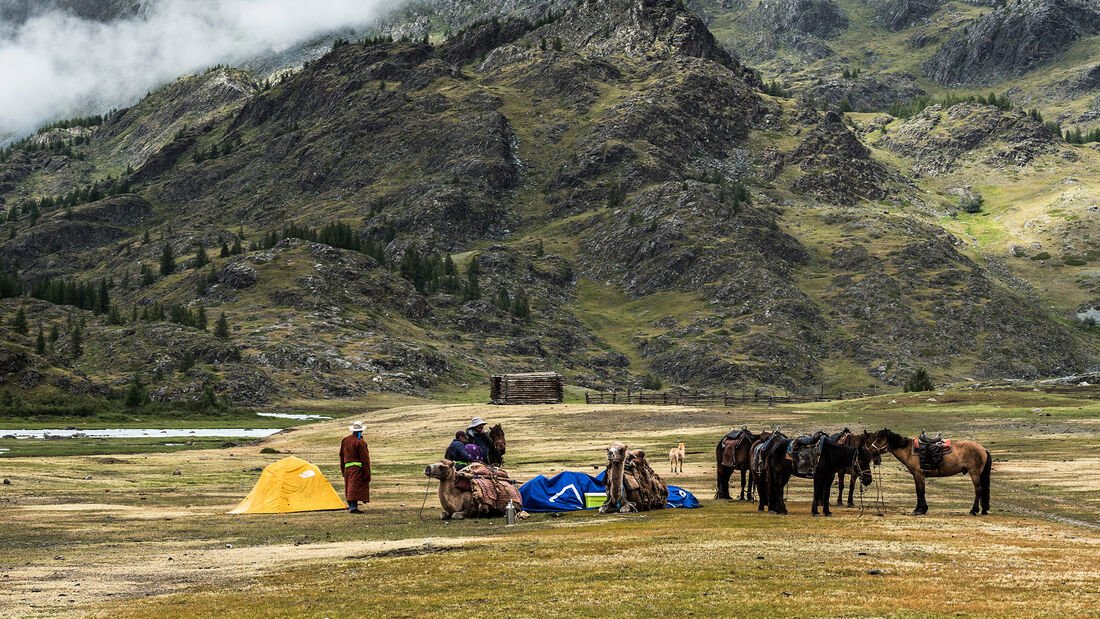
(530, 388)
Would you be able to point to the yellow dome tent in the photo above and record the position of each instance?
(290, 485)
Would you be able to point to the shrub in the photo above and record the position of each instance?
(972, 203)
(1043, 255)
(269, 450)
(1074, 261)
(919, 381)
(651, 382)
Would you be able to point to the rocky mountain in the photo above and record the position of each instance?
(600, 188)
(1012, 40)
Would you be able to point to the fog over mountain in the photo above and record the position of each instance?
(61, 59)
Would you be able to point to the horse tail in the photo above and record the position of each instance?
(985, 480)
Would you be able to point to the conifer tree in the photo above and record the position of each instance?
(19, 322)
(136, 393)
(200, 319)
(221, 328)
(77, 338)
(473, 286)
(54, 334)
(224, 253)
(103, 298)
(40, 341)
(167, 260)
(521, 307)
(504, 301)
(113, 316)
(201, 259)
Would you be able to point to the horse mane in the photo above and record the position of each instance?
(894, 440)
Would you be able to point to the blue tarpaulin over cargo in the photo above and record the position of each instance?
(565, 492)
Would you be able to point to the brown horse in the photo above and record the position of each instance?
(857, 441)
(965, 457)
(496, 454)
(733, 455)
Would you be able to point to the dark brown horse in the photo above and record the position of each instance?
(965, 457)
(857, 441)
(732, 454)
(757, 467)
(498, 446)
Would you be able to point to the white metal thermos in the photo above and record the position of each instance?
(510, 513)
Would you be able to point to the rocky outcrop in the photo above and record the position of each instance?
(868, 91)
(819, 18)
(1011, 41)
(936, 141)
(897, 15)
(122, 210)
(838, 166)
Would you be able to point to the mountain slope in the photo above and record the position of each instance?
(613, 165)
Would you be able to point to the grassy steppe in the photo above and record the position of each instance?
(143, 542)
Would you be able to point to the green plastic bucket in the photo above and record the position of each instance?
(594, 499)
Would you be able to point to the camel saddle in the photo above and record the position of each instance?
(930, 450)
(492, 487)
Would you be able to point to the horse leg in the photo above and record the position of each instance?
(741, 497)
(762, 491)
(922, 505)
(851, 490)
(780, 486)
(752, 484)
(840, 487)
(986, 470)
(976, 477)
(817, 494)
(723, 482)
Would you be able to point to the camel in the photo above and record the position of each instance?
(676, 457)
(632, 485)
(457, 504)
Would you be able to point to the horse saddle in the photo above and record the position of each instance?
(730, 443)
(805, 451)
(930, 450)
(840, 436)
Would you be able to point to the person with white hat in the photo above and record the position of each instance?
(355, 465)
(476, 432)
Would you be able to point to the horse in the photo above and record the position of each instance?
(730, 456)
(852, 440)
(497, 446)
(965, 457)
(757, 464)
(833, 459)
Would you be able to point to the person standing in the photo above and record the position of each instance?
(355, 465)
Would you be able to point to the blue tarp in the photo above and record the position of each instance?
(565, 492)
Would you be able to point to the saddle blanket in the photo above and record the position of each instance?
(496, 493)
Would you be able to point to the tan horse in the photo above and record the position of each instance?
(965, 457)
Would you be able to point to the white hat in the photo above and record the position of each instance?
(357, 427)
(477, 421)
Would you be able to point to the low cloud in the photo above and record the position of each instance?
(56, 65)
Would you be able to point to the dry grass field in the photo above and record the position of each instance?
(135, 540)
